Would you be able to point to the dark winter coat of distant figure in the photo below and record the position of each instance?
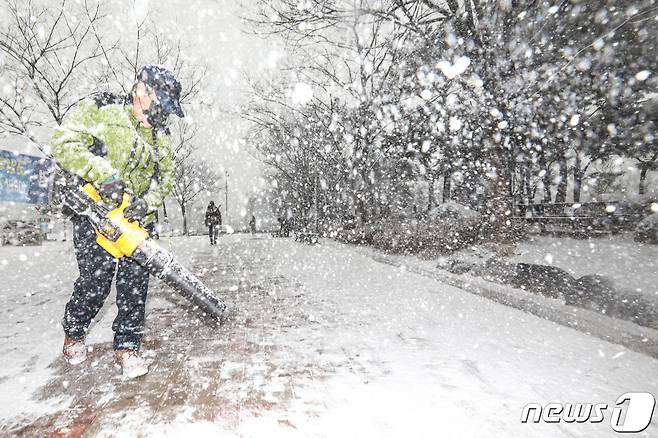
(213, 222)
(252, 224)
(285, 227)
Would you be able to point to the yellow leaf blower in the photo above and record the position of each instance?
(122, 238)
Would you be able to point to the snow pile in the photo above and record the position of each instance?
(36, 283)
(612, 276)
(618, 257)
(348, 347)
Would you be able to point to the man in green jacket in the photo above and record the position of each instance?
(119, 145)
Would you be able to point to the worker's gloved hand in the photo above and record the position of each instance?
(136, 211)
(111, 190)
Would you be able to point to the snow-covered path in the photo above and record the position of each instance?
(319, 341)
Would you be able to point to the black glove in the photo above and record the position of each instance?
(111, 190)
(136, 211)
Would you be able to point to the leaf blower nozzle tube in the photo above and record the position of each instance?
(163, 265)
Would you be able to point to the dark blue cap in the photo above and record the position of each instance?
(166, 87)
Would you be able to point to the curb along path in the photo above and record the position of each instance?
(640, 339)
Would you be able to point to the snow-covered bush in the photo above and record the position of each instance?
(446, 230)
(646, 230)
(357, 234)
(455, 211)
(20, 233)
(628, 213)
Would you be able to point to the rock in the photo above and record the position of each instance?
(548, 281)
(501, 249)
(637, 308)
(646, 230)
(600, 294)
(593, 292)
(459, 266)
(495, 269)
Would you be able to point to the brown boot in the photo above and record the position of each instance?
(132, 364)
(74, 350)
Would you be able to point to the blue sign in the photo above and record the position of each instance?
(24, 178)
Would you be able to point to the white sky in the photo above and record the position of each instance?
(218, 37)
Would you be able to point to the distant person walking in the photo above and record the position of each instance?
(282, 227)
(213, 222)
(286, 227)
(252, 224)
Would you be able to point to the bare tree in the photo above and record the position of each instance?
(51, 60)
(348, 54)
(519, 114)
(56, 54)
(192, 176)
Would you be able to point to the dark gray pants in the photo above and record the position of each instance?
(213, 232)
(97, 269)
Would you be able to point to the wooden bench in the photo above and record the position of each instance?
(572, 224)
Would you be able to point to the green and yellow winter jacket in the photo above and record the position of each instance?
(99, 142)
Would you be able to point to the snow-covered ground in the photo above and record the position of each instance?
(33, 290)
(631, 265)
(319, 341)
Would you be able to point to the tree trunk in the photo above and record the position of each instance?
(447, 180)
(501, 205)
(430, 193)
(527, 190)
(561, 193)
(183, 211)
(643, 179)
(577, 179)
(361, 210)
(546, 179)
(546, 182)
